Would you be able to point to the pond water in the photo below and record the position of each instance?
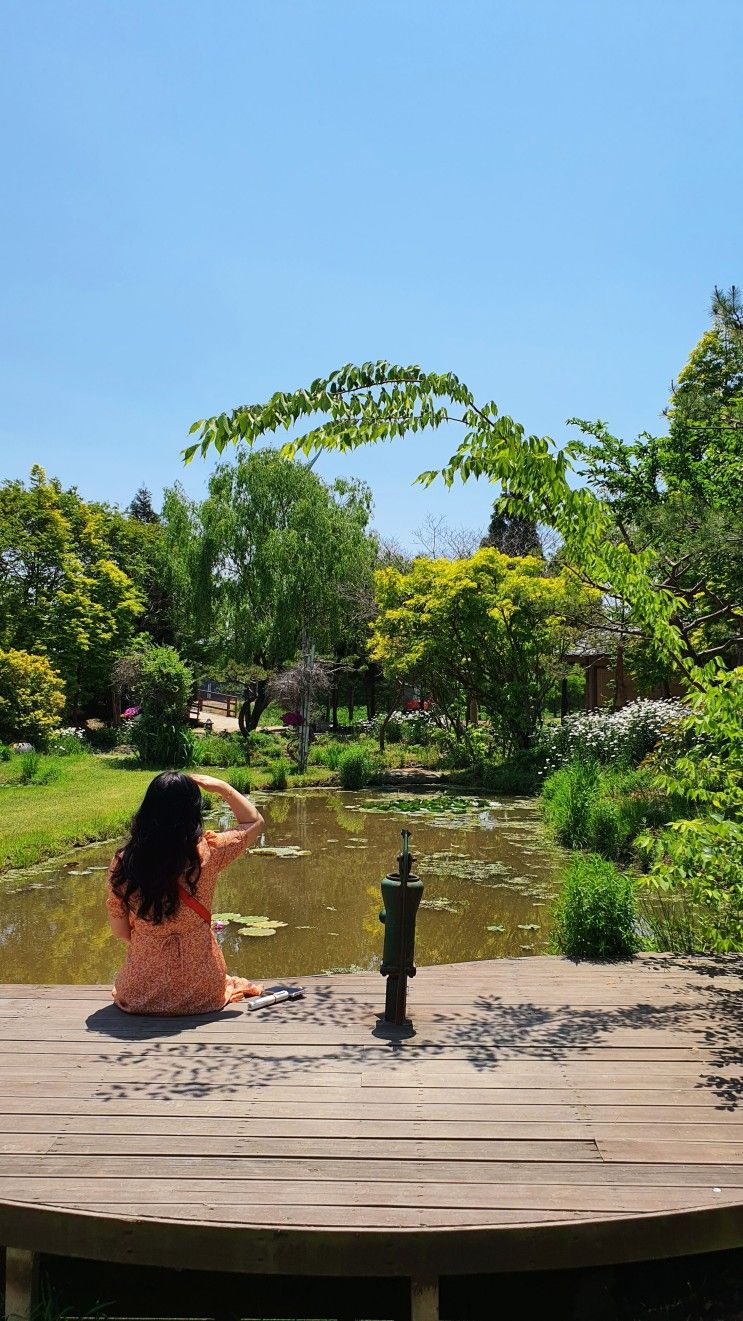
(487, 869)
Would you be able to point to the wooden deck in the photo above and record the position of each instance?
(539, 1114)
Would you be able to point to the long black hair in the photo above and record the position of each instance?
(162, 848)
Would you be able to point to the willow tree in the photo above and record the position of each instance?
(267, 567)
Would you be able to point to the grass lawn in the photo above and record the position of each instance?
(92, 799)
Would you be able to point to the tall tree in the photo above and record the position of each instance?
(268, 564)
(512, 534)
(62, 593)
(142, 508)
(702, 454)
(491, 627)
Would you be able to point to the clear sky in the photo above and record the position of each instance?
(206, 200)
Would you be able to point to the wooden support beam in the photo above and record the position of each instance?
(424, 1299)
(21, 1282)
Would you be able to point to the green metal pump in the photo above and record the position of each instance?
(401, 895)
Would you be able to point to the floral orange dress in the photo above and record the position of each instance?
(176, 966)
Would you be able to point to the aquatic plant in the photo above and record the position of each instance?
(589, 806)
(595, 916)
(354, 768)
(278, 774)
(240, 779)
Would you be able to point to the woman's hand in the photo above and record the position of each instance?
(245, 813)
(210, 783)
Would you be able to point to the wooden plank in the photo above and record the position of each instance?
(286, 1149)
(354, 1217)
(402, 1120)
(471, 1138)
(705, 1151)
(355, 1166)
(107, 1192)
(289, 1100)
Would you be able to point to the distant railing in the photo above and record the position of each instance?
(227, 704)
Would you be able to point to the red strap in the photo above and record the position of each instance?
(188, 899)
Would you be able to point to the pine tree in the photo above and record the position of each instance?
(512, 534)
(141, 507)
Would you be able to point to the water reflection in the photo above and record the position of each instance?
(492, 864)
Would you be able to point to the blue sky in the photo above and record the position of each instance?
(204, 202)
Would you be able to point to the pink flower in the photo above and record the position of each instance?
(131, 712)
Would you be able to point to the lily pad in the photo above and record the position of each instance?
(439, 905)
(282, 851)
(528, 926)
(248, 923)
(495, 927)
(257, 931)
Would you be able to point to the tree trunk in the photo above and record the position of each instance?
(351, 703)
(619, 685)
(334, 706)
(254, 703)
(260, 703)
(383, 727)
(308, 662)
(371, 692)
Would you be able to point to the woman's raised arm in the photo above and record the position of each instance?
(245, 812)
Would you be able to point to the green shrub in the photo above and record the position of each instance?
(354, 767)
(159, 733)
(35, 769)
(263, 748)
(239, 778)
(595, 916)
(699, 855)
(518, 774)
(68, 743)
(592, 807)
(31, 697)
(568, 796)
(29, 766)
(279, 774)
(105, 739)
(327, 754)
(5, 752)
(162, 742)
(221, 750)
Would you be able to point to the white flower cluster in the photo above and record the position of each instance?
(627, 735)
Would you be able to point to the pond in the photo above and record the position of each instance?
(487, 869)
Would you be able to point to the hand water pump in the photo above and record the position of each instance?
(401, 895)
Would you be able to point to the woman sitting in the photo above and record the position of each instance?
(160, 891)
